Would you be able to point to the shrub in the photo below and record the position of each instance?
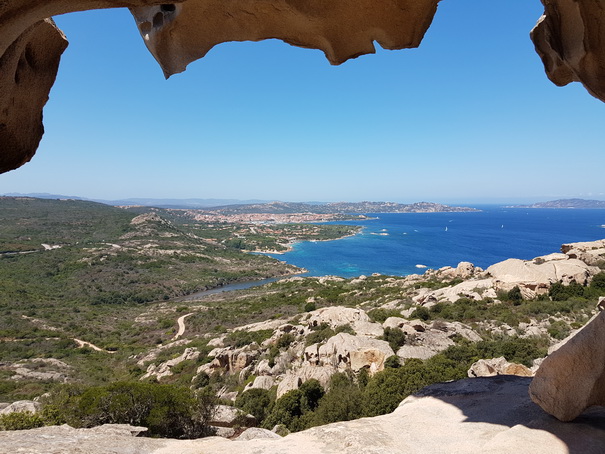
(515, 295)
(380, 315)
(285, 340)
(394, 336)
(20, 421)
(166, 410)
(421, 313)
(343, 402)
(392, 362)
(256, 402)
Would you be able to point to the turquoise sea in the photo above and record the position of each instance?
(394, 244)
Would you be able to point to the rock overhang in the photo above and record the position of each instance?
(569, 37)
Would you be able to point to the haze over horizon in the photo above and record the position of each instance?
(470, 117)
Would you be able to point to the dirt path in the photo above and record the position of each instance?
(82, 343)
(181, 322)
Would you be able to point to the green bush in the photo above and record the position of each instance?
(343, 402)
(21, 420)
(295, 408)
(166, 410)
(421, 313)
(515, 295)
(256, 402)
(394, 336)
(380, 315)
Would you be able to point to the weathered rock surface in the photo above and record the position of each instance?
(451, 417)
(28, 67)
(424, 341)
(498, 366)
(227, 416)
(570, 39)
(254, 433)
(176, 35)
(534, 277)
(163, 370)
(336, 316)
(572, 378)
(345, 351)
(296, 377)
(21, 406)
(590, 252)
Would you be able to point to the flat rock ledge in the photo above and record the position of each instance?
(487, 415)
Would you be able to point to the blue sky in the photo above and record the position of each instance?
(470, 117)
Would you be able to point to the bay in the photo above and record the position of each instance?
(395, 243)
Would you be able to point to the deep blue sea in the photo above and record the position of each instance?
(394, 244)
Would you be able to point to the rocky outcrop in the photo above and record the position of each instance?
(336, 316)
(230, 360)
(425, 341)
(572, 378)
(489, 415)
(296, 377)
(345, 351)
(590, 252)
(570, 39)
(163, 370)
(534, 277)
(498, 366)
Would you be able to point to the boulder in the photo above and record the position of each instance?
(230, 360)
(498, 366)
(254, 433)
(465, 270)
(296, 377)
(345, 351)
(262, 382)
(572, 378)
(336, 316)
(534, 277)
(424, 341)
(21, 406)
(227, 416)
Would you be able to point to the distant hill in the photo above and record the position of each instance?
(568, 203)
(340, 207)
(150, 202)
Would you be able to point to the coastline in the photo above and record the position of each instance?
(290, 246)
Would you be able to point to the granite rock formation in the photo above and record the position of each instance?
(572, 378)
(28, 67)
(570, 39)
(176, 35)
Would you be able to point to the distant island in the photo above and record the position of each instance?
(567, 203)
(339, 208)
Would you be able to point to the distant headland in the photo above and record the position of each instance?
(567, 203)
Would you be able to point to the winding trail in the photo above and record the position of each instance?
(82, 343)
(181, 322)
